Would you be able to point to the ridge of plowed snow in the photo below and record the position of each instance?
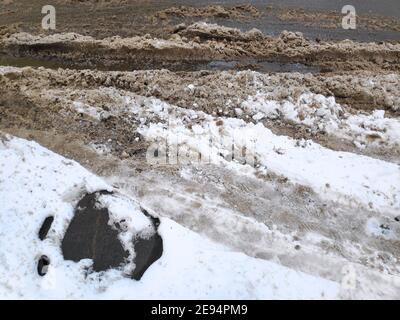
(35, 183)
(339, 176)
(324, 114)
(335, 175)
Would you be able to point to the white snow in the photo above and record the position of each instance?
(349, 178)
(320, 113)
(377, 229)
(36, 183)
(339, 176)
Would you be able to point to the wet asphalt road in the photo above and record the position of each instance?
(123, 20)
(273, 26)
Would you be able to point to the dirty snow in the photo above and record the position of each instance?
(341, 176)
(345, 177)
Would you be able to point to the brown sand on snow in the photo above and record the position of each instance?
(44, 89)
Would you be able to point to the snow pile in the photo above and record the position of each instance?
(323, 114)
(340, 176)
(197, 137)
(115, 42)
(312, 110)
(375, 129)
(185, 136)
(36, 183)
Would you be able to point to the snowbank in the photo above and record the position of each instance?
(36, 183)
(324, 114)
(346, 177)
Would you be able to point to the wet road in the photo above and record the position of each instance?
(132, 18)
(272, 26)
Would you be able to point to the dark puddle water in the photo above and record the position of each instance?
(6, 60)
(271, 25)
(261, 66)
(89, 236)
(177, 66)
(45, 227)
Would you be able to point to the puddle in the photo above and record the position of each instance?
(90, 236)
(21, 62)
(176, 66)
(261, 66)
(147, 250)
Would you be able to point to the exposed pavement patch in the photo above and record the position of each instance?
(91, 236)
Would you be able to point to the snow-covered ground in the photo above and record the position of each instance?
(359, 192)
(36, 183)
(245, 212)
(196, 137)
